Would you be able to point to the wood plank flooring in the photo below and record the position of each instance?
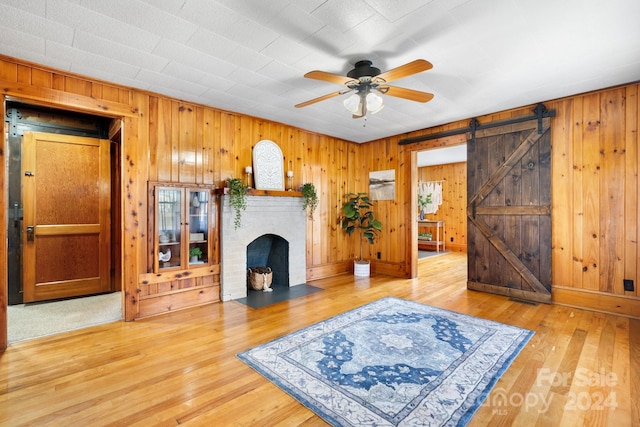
(580, 368)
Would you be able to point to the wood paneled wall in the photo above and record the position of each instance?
(165, 139)
(195, 144)
(595, 176)
(595, 203)
(453, 210)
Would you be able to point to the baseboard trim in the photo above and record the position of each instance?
(329, 270)
(601, 302)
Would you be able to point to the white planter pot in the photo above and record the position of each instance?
(361, 268)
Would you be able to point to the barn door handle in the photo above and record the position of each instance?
(16, 214)
(473, 209)
(31, 233)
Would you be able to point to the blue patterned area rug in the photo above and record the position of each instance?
(391, 362)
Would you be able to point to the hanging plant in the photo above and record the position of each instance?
(309, 198)
(237, 198)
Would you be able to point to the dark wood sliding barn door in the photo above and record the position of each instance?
(509, 210)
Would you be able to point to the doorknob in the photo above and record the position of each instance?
(31, 233)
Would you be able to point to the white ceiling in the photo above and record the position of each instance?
(250, 56)
(443, 156)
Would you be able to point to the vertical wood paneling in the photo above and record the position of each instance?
(631, 187)
(163, 133)
(226, 141)
(590, 231)
(198, 134)
(317, 155)
(141, 179)
(186, 150)
(329, 199)
(395, 243)
(248, 133)
(154, 138)
(207, 145)
(573, 213)
(333, 199)
(612, 197)
(130, 210)
(174, 142)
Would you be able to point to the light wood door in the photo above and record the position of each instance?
(66, 227)
(509, 211)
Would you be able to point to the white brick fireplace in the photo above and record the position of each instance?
(279, 215)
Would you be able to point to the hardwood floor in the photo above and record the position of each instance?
(580, 368)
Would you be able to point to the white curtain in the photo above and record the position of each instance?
(435, 189)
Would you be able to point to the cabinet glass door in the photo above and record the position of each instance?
(169, 226)
(198, 201)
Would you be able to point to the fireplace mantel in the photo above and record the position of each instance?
(254, 192)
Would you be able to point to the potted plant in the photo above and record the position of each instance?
(309, 198)
(423, 201)
(194, 254)
(358, 216)
(237, 198)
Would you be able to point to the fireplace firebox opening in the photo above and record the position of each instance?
(270, 250)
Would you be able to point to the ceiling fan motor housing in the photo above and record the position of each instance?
(363, 69)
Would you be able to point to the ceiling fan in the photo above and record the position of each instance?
(366, 82)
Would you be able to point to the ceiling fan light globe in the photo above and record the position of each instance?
(352, 103)
(374, 103)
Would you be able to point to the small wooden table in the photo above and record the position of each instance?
(438, 225)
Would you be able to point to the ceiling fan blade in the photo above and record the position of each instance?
(328, 77)
(410, 94)
(321, 98)
(405, 70)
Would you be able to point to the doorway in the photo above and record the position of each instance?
(40, 260)
(441, 185)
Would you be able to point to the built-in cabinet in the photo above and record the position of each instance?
(182, 226)
(183, 268)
